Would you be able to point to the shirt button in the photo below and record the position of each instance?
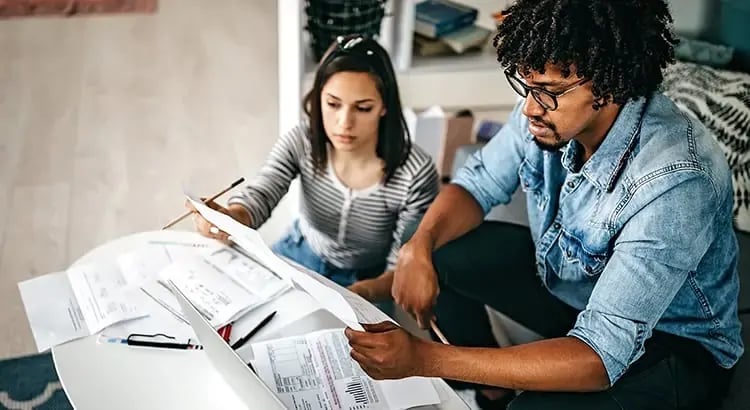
(571, 184)
(556, 225)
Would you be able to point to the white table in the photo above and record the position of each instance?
(107, 376)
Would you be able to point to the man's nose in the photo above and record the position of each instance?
(531, 108)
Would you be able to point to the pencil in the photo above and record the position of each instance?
(218, 194)
(439, 334)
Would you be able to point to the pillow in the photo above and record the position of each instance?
(719, 99)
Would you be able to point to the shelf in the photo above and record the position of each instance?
(484, 60)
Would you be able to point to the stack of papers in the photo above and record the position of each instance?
(315, 371)
(129, 295)
(79, 302)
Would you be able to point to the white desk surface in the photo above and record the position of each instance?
(108, 376)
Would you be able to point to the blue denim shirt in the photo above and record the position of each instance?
(639, 238)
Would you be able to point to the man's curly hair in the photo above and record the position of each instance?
(620, 45)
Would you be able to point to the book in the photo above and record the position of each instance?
(457, 42)
(436, 18)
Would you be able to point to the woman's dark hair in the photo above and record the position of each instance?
(361, 54)
(620, 45)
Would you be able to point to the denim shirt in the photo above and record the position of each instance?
(639, 238)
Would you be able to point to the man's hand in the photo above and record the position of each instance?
(386, 351)
(415, 283)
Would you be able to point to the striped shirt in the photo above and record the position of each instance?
(351, 229)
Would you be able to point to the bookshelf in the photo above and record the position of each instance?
(471, 80)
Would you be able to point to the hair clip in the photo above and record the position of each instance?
(350, 43)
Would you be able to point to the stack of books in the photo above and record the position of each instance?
(447, 27)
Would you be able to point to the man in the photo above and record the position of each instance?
(629, 266)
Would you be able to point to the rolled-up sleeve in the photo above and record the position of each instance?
(490, 175)
(648, 266)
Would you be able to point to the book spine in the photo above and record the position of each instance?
(436, 30)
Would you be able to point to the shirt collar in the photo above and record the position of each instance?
(608, 161)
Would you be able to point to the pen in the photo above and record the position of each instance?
(241, 341)
(439, 334)
(225, 332)
(220, 193)
(165, 345)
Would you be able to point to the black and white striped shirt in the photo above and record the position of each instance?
(352, 229)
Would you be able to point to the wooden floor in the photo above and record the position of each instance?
(103, 119)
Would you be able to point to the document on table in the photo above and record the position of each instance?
(213, 293)
(79, 302)
(219, 269)
(315, 371)
(251, 242)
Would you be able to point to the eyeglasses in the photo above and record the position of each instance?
(547, 99)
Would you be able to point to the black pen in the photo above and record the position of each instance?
(241, 341)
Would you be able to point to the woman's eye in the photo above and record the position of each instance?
(365, 109)
(332, 104)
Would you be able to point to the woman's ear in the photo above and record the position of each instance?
(382, 112)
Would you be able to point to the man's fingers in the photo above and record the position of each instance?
(384, 326)
(361, 339)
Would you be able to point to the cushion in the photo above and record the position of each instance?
(720, 100)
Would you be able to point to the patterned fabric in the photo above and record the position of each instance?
(721, 101)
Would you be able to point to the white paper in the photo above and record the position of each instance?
(315, 371)
(214, 294)
(103, 296)
(252, 276)
(249, 240)
(53, 312)
(159, 321)
(365, 311)
(82, 301)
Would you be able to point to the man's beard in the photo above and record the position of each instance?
(551, 147)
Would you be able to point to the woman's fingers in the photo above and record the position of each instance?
(207, 229)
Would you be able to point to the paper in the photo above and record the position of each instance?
(315, 371)
(250, 241)
(213, 293)
(365, 311)
(251, 275)
(64, 306)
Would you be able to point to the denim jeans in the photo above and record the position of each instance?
(494, 265)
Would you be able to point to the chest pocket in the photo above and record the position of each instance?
(532, 184)
(577, 262)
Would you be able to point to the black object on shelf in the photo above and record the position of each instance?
(328, 19)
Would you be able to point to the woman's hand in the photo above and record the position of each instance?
(207, 229)
(375, 289)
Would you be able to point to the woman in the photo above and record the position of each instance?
(362, 180)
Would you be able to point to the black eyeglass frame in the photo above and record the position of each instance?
(526, 89)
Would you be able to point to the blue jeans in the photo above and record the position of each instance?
(295, 247)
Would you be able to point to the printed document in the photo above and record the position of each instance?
(215, 269)
(251, 242)
(315, 371)
(79, 302)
